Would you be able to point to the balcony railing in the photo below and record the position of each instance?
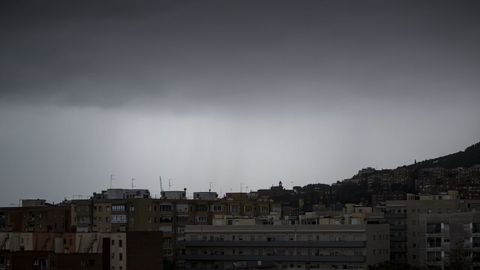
(240, 243)
(351, 259)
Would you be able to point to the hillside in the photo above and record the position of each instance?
(467, 158)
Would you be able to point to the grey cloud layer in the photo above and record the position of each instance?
(110, 53)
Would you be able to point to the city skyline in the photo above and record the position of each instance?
(241, 92)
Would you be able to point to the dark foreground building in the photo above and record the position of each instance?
(86, 251)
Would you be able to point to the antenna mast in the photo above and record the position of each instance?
(111, 180)
(210, 186)
(133, 179)
(161, 186)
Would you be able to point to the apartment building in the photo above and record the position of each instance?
(38, 218)
(120, 193)
(285, 246)
(447, 239)
(113, 251)
(407, 228)
(120, 211)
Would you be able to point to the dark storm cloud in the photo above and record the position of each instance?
(231, 91)
(111, 53)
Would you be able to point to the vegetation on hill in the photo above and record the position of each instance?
(467, 158)
(369, 182)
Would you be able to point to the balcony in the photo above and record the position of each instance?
(345, 259)
(395, 215)
(316, 244)
(396, 227)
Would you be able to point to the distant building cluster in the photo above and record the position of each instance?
(276, 228)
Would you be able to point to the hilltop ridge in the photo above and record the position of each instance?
(467, 158)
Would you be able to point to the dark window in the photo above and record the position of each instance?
(434, 228)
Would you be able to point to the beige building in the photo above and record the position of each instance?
(285, 246)
(102, 217)
(407, 223)
(446, 236)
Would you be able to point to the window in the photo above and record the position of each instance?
(433, 228)
(167, 219)
(235, 208)
(119, 219)
(475, 227)
(201, 219)
(165, 208)
(113, 242)
(120, 256)
(476, 242)
(433, 242)
(476, 256)
(118, 208)
(120, 243)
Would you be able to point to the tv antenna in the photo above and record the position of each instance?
(133, 180)
(161, 186)
(112, 177)
(210, 186)
(170, 184)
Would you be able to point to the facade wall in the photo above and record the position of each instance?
(285, 246)
(102, 217)
(447, 234)
(144, 251)
(118, 251)
(17, 241)
(44, 260)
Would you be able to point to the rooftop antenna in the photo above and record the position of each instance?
(77, 196)
(241, 187)
(112, 177)
(161, 186)
(169, 183)
(210, 187)
(133, 179)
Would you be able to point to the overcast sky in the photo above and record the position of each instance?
(229, 92)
